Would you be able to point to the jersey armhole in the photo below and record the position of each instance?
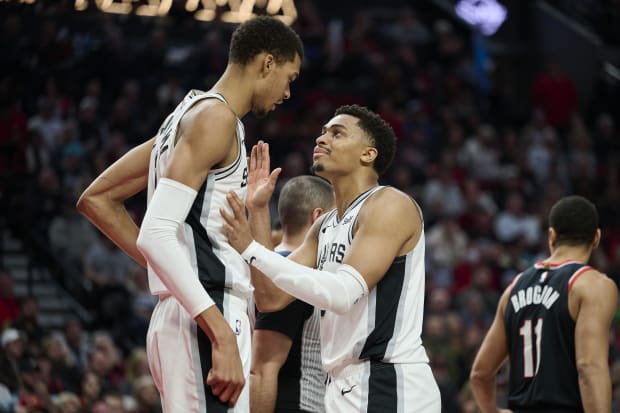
(576, 275)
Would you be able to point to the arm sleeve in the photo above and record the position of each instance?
(158, 241)
(286, 321)
(334, 291)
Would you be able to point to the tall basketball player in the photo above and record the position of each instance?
(368, 256)
(553, 323)
(198, 341)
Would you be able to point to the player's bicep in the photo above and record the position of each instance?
(599, 298)
(205, 138)
(125, 177)
(383, 230)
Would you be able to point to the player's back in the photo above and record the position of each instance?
(218, 265)
(541, 344)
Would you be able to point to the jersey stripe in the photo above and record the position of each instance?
(388, 295)
(577, 275)
(211, 271)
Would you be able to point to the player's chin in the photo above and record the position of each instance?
(317, 168)
(261, 113)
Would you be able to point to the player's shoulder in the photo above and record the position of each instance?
(590, 281)
(390, 200)
(213, 110)
(392, 210)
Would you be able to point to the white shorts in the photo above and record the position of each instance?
(374, 387)
(179, 355)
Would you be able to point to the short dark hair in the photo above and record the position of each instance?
(264, 34)
(299, 197)
(380, 134)
(575, 221)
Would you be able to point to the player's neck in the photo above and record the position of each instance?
(236, 87)
(291, 241)
(565, 253)
(346, 189)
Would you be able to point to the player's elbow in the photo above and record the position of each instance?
(588, 369)
(146, 242)
(86, 204)
(478, 375)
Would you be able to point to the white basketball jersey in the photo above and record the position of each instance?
(218, 266)
(384, 326)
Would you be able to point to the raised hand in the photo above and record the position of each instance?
(261, 181)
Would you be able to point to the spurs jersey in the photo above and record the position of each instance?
(541, 339)
(218, 266)
(384, 326)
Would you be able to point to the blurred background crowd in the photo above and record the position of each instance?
(492, 131)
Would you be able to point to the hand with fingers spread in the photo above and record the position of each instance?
(236, 225)
(261, 182)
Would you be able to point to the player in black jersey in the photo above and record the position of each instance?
(553, 323)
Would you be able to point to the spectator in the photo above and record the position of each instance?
(554, 92)
(9, 303)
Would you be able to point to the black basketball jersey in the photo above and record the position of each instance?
(541, 340)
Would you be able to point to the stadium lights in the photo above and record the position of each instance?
(232, 11)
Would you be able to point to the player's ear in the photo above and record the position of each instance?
(552, 237)
(597, 238)
(369, 155)
(269, 64)
(316, 213)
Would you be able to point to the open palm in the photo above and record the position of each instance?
(261, 181)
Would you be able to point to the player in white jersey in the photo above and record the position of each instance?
(198, 342)
(369, 276)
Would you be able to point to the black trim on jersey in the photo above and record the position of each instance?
(229, 170)
(387, 298)
(328, 215)
(357, 201)
(382, 385)
(211, 271)
(213, 403)
(373, 189)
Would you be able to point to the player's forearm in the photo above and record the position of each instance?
(595, 388)
(483, 390)
(215, 326)
(113, 219)
(267, 295)
(335, 291)
(263, 392)
(260, 225)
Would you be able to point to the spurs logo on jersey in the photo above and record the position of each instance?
(203, 235)
(385, 325)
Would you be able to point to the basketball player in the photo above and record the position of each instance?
(197, 156)
(286, 374)
(553, 324)
(369, 276)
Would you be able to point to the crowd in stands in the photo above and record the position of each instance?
(77, 89)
